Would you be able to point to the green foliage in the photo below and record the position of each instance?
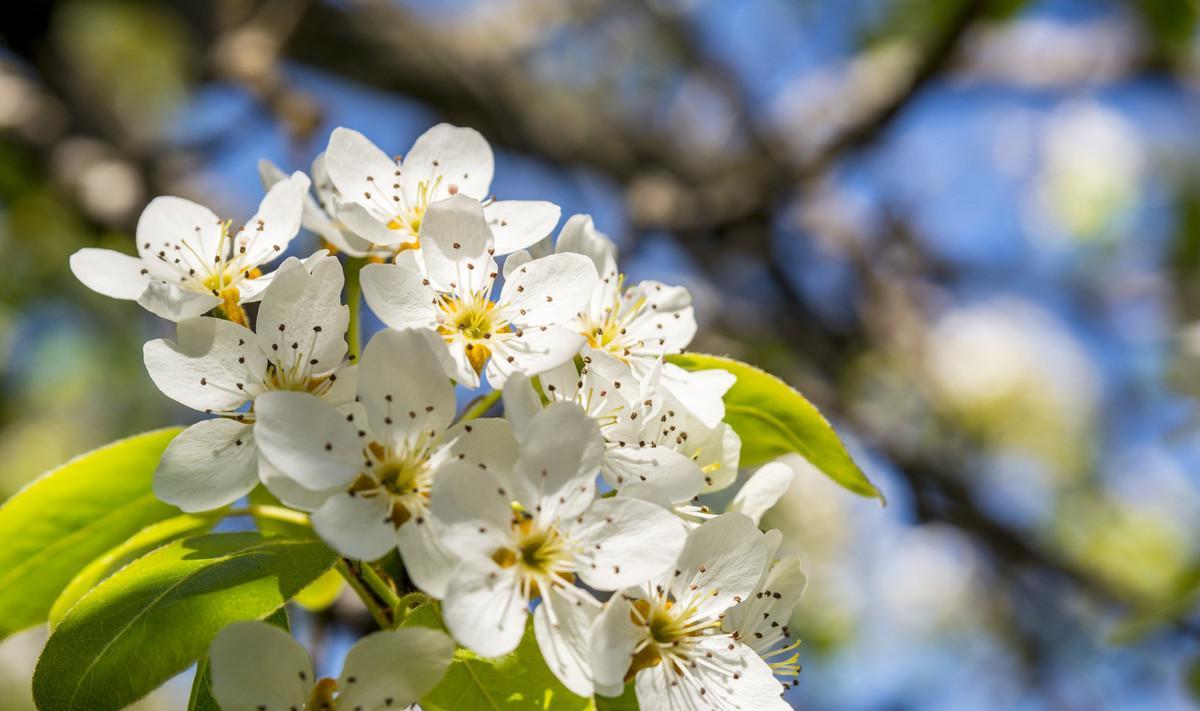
(518, 681)
(201, 698)
(773, 419)
(154, 617)
(140, 544)
(1171, 23)
(64, 520)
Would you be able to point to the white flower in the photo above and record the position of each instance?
(762, 490)
(189, 261)
(219, 367)
(761, 620)
(448, 288)
(668, 634)
(316, 215)
(377, 466)
(654, 448)
(639, 324)
(385, 201)
(555, 533)
(259, 667)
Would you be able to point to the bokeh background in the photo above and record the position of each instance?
(968, 230)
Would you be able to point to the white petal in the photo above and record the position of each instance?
(464, 372)
(302, 318)
(313, 217)
(267, 234)
(256, 665)
(560, 453)
(714, 684)
(700, 391)
(615, 636)
(561, 382)
(550, 290)
(174, 304)
(393, 668)
(762, 490)
(344, 388)
(210, 464)
(358, 527)
(403, 387)
(486, 441)
(397, 296)
(718, 454)
(562, 626)
(367, 225)
(517, 224)
(175, 235)
(307, 439)
(429, 563)
(455, 240)
(515, 260)
(484, 608)
(666, 322)
(537, 350)
(521, 401)
(674, 474)
(579, 235)
(289, 491)
(110, 273)
(760, 620)
(358, 168)
(626, 541)
(725, 555)
(459, 157)
(214, 365)
(473, 509)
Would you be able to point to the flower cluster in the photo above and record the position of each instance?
(581, 507)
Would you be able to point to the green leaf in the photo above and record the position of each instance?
(773, 419)
(67, 517)
(518, 681)
(140, 544)
(151, 619)
(201, 698)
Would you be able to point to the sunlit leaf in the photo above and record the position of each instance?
(773, 419)
(65, 519)
(154, 617)
(140, 544)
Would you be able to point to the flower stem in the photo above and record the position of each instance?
(348, 570)
(379, 585)
(353, 302)
(479, 407)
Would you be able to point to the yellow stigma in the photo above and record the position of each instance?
(402, 476)
(470, 320)
(411, 220)
(321, 698)
(538, 552)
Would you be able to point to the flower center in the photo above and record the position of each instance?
(297, 379)
(403, 476)
(540, 554)
(607, 333)
(471, 319)
(409, 221)
(670, 629)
